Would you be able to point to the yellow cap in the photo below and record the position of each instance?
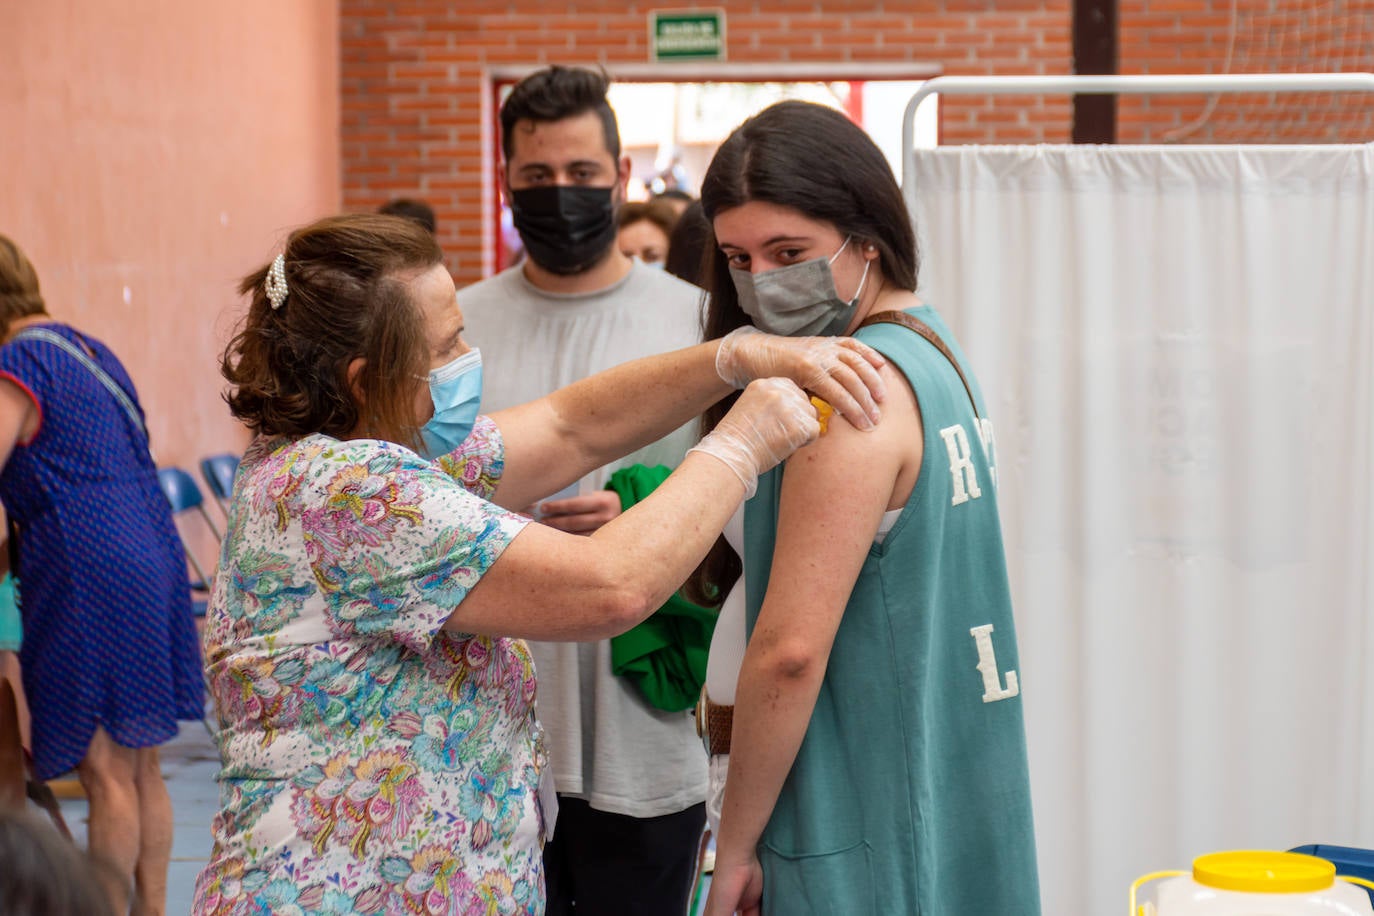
(1259, 872)
(823, 412)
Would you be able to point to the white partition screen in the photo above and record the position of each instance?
(1177, 345)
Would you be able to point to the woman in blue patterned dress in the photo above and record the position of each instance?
(109, 657)
(365, 640)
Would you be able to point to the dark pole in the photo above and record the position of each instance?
(1094, 54)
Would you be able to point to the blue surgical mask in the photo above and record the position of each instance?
(797, 300)
(456, 389)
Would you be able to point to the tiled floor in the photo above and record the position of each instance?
(189, 764)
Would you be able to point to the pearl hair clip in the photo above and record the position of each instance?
(275, 284)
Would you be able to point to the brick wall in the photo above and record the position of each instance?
(1247, 36)
(417, 107)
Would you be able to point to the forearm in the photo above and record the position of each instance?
(773, 706)
(557, 439)
(550, 585)
(612, 413)
(661, 539)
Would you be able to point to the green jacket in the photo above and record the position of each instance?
(665, 656)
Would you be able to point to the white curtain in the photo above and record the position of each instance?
(1177, 345)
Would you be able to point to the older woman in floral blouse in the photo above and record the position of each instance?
(365, 639)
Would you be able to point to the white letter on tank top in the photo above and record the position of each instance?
(989, 448)
(960, 465)
(987, 666)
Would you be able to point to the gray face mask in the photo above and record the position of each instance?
(798, 300)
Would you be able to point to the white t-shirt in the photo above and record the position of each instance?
(606, 744)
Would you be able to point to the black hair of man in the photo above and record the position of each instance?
(555, 93)
(415, 210)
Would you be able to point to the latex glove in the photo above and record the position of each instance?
(839, 370)
(770, 421)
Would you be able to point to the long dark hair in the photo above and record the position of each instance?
(816, 161)
(346, 298)
(688, 245)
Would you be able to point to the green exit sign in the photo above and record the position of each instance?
(687, 35)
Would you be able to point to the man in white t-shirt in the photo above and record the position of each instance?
(631, 778)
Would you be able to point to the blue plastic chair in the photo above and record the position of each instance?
(218, 471)
(181, 491)
(184, 496)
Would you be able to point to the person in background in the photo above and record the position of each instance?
(409, 208)
(631, 778)
(867, 656)
(11, 632)
(645, 227)
(110, 657)
(689, 245)
(676, 198)
(42, 874)
(672, 177)
(11, 638)
(365, 639)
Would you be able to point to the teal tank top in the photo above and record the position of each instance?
(910, 793)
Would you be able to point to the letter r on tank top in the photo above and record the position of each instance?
(965, 477)
(989, 447)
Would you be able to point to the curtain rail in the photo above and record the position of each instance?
(1198, 84)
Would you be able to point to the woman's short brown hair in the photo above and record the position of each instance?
(658, 212)
(19, 295)
(347, 297)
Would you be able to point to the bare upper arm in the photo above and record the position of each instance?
(546, 585)
(19, 417)
(537, 443)
(834, 494)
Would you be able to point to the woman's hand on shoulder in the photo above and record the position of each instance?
(846, 438)
(770, 421)
(839, 370)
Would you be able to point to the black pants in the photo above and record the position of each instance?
(602, 864)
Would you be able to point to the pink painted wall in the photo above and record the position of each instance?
(152, 152)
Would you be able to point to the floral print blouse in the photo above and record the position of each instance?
(372, 762)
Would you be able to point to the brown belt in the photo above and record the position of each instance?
(713, 724)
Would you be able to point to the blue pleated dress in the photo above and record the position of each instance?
(109, 639)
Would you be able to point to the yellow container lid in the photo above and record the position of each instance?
(1261, 872)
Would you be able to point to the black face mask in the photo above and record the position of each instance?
(566, 229)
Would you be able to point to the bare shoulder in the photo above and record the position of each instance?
(900, 415)
(876, 463)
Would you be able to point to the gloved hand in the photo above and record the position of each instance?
(770, 421)
(839, 370)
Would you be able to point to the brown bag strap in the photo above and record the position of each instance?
(13, 773)
(925, 330)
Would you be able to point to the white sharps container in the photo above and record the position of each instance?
(1255, 883)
